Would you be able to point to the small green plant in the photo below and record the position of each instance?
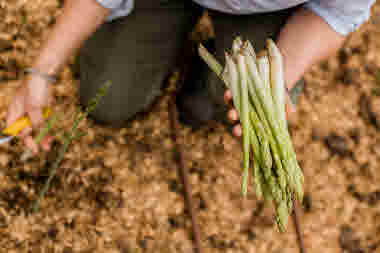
(68, 138)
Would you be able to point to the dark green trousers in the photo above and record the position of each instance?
(135, 53)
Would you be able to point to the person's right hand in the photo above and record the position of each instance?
(29, 100)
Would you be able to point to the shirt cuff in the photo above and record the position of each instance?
(339, 22)
(119, 8)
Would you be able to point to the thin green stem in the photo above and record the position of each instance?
(68, 139)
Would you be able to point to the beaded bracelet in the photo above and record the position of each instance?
(45, 76)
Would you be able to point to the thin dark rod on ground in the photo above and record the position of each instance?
(296, 216)
(175, 129)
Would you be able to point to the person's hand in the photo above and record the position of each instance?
(29, 100)
(234, 116)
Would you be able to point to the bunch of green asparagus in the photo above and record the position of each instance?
(259, 96)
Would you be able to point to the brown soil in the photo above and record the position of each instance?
(118, 190)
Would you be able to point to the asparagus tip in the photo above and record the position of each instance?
(201, 47)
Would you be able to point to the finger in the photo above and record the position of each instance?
(233, 115)
(26, 132)
(35, 114)
(46, 143)
(51, 99)
(31, 144)
(237, 131)
(26, 136)
(227, 97)
(290, 107)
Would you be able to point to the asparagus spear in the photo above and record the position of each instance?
(211, 61)
(264, 71)
(277, 79)
(282, 215)
(251, 50)
(233, 79)
(258, 179)
(266, 157)
(244, 116)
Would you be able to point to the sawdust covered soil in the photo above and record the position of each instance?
(118, 190)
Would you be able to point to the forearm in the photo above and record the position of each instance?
(78, 21)
(306, 39)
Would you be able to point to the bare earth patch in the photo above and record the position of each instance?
(118, 190)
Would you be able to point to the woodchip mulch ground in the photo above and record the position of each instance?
(118, 190)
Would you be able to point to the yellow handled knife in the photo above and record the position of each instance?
(16, 127)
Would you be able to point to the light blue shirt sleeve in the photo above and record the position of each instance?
(119, 8)
(344, 16)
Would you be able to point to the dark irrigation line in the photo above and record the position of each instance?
(296, 216)
(175, 128)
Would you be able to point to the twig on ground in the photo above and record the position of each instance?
(297, 225)
(174, 125)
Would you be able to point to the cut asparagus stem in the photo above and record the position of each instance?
(256, 149)
(266, 157)
(232, 77)
(251, 50)
(242, 67)
(264, 71)
(263, 66)
(218, 69)
(279, 95)
(277, 79)
(264, 124)
(259, 106)
(283, 177)
(211, 62)
(262, 99)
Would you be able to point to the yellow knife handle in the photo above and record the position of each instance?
(16, 127)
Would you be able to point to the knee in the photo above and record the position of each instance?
(105, 113)
(121, 103)
(106, 119)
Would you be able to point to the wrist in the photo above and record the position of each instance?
(293, 70)
(49, 68)
(35, 82)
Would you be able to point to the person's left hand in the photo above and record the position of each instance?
(233, 115)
